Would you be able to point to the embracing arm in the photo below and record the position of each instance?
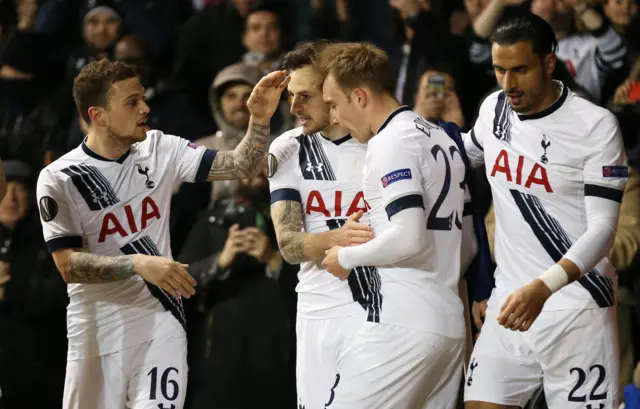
(406, 238)
(246, 159)
(295, 245)
(79, 267)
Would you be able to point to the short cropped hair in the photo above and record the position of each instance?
(303, 55)
(527, 27)
(92, 85)
(356, 65)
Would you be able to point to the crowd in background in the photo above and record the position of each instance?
(198, 60)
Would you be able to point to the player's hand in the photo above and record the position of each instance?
(169, 275)
(352, 232)
(332, 264)
(257, 244)
(621, 96)
(523, 306)
(479, 311)
(235, 244)
(429, 106)
(265, 97)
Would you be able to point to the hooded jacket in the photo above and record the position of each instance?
(228, 136)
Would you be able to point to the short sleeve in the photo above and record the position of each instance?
(398, 169)
(605, 170)
(284, 180)
(192, 162)
(483, 128)
(61, 226)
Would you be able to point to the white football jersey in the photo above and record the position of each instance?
(414, 163)
(113, 208)
(540, 168)
(325, 177)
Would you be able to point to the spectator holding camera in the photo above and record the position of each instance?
(241, 323)
(32, 301)
(436, 98)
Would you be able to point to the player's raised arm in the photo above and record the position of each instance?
(246, 159)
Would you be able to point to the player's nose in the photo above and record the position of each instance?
(295, 106)
(510, 81)
(144, 108)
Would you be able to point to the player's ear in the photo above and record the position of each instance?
(97, 116)
(360, 97)
(550, 63)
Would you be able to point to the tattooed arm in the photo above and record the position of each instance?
(91, 268)
(295, 245)
(80, 267)
(246, 159)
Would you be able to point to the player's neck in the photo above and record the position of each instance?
(551, 96)
(333, 132)
(105, 146)
(382, 108)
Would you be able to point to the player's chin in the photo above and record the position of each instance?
(310, 127)
(140, 133)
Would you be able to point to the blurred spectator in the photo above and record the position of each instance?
(262, 38)
(32, 301)
(33, 113)
(623, 15)
(331, 20)
(438, 102)
(242, 340)
(210, 40)
(425, 41)
(590, 58)
(102, 25)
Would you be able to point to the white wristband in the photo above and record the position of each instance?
(555, 278)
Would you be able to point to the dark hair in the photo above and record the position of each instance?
(303, 55)
(264, 6)
(527, 27)
(92, 85)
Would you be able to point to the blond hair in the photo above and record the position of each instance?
(356, 65)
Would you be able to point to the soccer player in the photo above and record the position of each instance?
(557, 171)
(315, 181)
(414, 185)
(105, 214)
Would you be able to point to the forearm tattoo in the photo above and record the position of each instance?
(246, 159)
(287, 217)
(89, 268)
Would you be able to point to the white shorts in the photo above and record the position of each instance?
(572, 353)
(152, 375)
(390, 367)
(320, 343)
